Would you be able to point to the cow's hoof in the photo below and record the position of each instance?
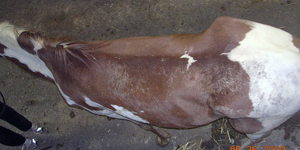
(162, 142)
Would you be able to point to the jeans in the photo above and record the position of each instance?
(8, 137)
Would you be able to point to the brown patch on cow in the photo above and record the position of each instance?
(229, 83)
(229, 47)
(2, 47)
(246, 125)
(229, 88)
(26, 38)
(228, 32)
(296, 42)
(25, 41)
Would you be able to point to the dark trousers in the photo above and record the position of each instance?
(8, 137)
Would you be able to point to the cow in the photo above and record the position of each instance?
(239, 69)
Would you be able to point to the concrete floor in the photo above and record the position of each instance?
(73, 129)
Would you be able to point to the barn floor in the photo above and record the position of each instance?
(68, 128)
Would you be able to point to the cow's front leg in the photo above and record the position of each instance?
(163, 137)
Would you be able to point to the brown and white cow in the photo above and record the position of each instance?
(246, 71)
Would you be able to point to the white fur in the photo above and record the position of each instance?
(190, 60)
(105, 112)
(126, 113)
(37, 44)
(272, 62)
(8, 38)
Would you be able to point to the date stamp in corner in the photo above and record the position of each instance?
(256, 148)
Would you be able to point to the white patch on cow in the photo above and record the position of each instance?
(37, 44)
(33, 62)
(268, 123)
(91, 103)
(271, 60)
(105, 111)
(190, 59)
(124, 112)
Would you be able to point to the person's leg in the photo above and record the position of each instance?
(14, 118)
(10, 138)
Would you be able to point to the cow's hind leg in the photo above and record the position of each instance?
(250, 142)
(253, 128)
(163, 137)
(249, 126)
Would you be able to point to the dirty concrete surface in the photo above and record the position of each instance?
(68, 128)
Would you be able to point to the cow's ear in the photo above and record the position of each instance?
(30, 41)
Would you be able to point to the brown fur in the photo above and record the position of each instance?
(2, 47)
(296, 42)
(146, 75)
(117, 72)
(25, 41)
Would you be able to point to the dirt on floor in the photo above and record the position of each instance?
(74, 129)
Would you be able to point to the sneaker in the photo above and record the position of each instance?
(37, 128)
(29, 144)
